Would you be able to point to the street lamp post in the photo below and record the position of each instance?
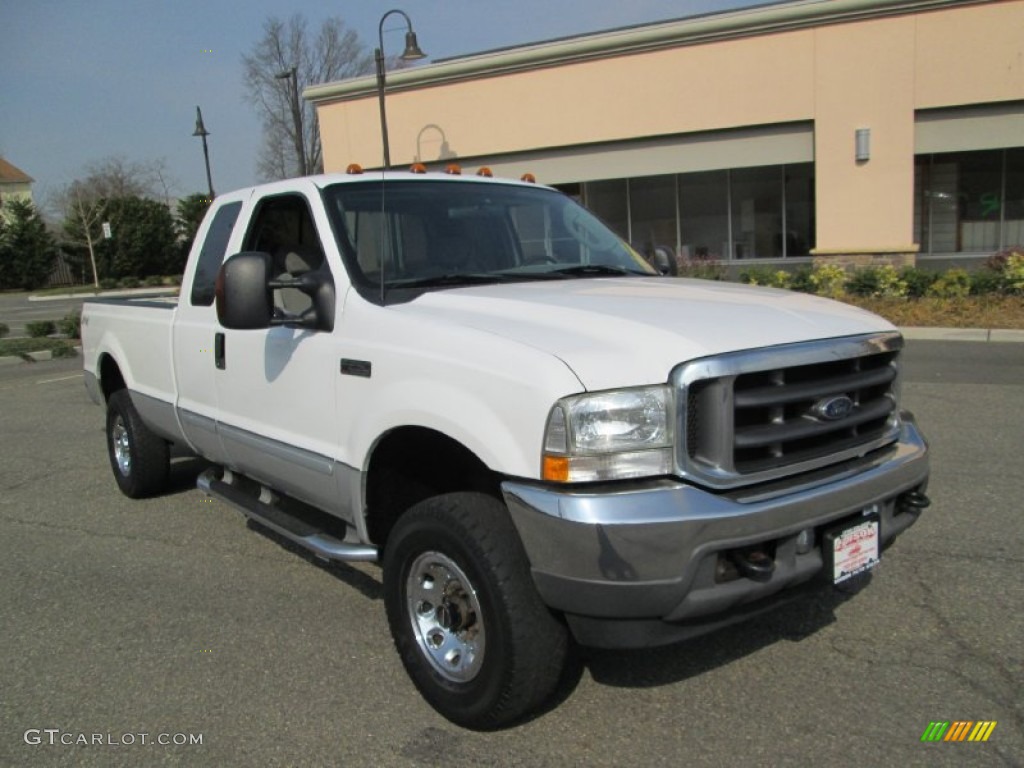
(300, 145)
(411, 53)
(202, 132)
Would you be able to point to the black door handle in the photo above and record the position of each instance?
(218, 351)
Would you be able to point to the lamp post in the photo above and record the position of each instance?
(300, 146)
(411, 53)
(202, 132)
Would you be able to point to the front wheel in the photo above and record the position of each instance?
(467, 621)
(140, 459)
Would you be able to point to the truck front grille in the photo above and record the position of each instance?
(764, 414)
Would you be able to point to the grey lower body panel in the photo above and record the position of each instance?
(159, 416)
(648, 553)
(318, 480)
(92, 386)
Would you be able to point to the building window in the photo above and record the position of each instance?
(746, 213)
(610, 201)
(757, 197)
(652, 213)
(969, 202)
(704, 215)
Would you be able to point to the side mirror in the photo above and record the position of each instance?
(244, 298)
(245, 295)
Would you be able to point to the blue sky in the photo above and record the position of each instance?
(81, 81)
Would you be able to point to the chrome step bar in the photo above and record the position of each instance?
(266, 513)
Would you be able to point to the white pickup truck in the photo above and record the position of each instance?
(477, 384)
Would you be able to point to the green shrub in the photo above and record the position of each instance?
(829, 280)
(1013, 272)
(953, 284)
(4, 330)
(153, 281)
(985, 282)
(918, 281)
(71, 324)
(40, 328)
(64, 350)
(773, 278)
(876, 282)
(108, 283)
(129, 282)
(800, 280)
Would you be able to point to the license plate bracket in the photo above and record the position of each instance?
(852, 548)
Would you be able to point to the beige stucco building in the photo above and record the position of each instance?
(880, 129)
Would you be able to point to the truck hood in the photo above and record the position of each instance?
(616, 332)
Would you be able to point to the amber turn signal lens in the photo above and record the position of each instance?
(556, 469)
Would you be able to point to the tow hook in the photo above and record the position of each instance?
(913, 501)
(755, 564)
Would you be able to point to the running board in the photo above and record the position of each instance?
(323, 545)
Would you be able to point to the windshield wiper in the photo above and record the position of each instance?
(451, 279)
(596, 270)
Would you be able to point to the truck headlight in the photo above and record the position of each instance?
(609, 436)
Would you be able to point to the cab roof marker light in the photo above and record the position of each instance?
(417, 168)
(485, 172)
(354, 169)
(453, 169)
(529, 178)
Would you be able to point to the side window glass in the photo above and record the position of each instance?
(212, 254)
(283, 227)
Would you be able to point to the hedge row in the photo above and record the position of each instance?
(1003, 274)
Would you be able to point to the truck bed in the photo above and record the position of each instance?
(137, 334)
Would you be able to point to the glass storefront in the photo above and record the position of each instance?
(746, 213)
(969, 202)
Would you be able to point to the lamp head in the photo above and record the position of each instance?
(412, 48)
(200, 128)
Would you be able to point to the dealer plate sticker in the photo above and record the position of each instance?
(854, 551)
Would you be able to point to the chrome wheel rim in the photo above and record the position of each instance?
(122, 448)
(445, 615)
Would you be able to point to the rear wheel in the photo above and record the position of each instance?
(467, 621)
(139, 458)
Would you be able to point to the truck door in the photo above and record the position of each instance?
(193, 336)
(277, 416)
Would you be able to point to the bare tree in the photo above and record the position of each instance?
(83, 216)
(291, 134)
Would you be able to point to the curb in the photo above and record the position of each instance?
(963, 334)
(34, 357)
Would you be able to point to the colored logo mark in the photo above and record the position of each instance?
(959, 730)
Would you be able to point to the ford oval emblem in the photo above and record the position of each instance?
(833, 408)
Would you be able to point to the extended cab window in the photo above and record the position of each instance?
(212, 254)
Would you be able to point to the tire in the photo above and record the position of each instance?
(486, 651)
(139, 459)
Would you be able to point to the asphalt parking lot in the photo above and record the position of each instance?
(170, 617)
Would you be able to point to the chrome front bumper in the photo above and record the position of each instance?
(648, 553)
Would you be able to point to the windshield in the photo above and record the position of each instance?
(429, 235)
